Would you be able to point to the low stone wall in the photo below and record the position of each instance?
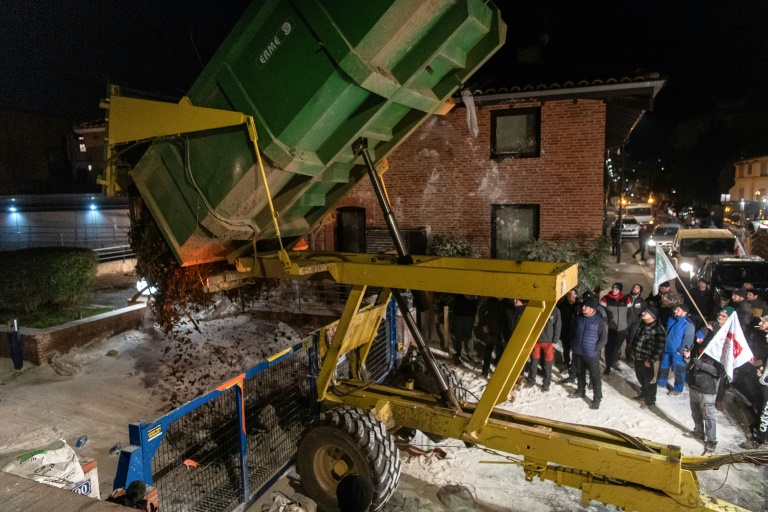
(116, 267)
(39, 344)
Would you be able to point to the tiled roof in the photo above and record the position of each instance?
(627, 97)
(566, 84)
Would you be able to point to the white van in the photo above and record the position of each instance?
(642, 213)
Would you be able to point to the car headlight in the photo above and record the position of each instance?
(651, 243)
(686, 267)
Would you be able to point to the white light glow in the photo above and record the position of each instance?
(144, 289)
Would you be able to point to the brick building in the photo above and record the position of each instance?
(535, 169)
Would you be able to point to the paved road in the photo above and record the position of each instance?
(630, 270)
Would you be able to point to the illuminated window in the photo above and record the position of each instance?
(90, 167)
(516, 133)
(82, 148)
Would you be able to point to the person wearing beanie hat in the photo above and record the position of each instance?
(354, 494)
(616, 306)
(680, 334)
(589, 336)
(647, 348)
(741, 306)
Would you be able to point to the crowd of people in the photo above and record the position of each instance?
(662, 336)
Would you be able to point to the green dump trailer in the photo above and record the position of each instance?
(316, 75)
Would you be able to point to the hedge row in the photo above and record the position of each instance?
(47, 275)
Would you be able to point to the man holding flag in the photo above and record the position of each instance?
(719, 353)
(704, 375)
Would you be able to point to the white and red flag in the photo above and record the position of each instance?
(729, 346)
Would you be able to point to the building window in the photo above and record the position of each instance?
(516, 133)
(741, 171)
(741, 193)
(764, 168)
(82, 148)
(749, 169)
(512, 226)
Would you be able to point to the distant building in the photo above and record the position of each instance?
(87, 150)
(751, 180)
(49, 155)
(33, 153)
(535, 170)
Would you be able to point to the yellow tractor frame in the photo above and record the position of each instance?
(606, 465)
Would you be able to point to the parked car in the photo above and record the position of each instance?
(642, 213)
(726, 274)
(630, 228)
(662, 237)
(691, 244)
(694, 217)
(756, 222)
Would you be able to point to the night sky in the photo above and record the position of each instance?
(58, 57)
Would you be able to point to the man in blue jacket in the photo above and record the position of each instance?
(680, 336)
(590, 334)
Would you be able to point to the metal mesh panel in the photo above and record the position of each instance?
(378, 359)
(277, 408)
(209, 436)
(377, 362)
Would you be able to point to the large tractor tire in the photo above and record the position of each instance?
(346, 441)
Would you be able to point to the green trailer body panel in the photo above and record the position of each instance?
(316, 75)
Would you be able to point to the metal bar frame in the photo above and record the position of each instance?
(604, 465)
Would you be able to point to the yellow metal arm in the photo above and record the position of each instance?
(133, 119)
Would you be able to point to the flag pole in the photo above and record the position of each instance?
(665, 266)
(692, 301)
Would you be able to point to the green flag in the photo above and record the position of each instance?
(664, 270)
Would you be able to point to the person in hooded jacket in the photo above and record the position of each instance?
(704, 375)
(590, 334)
(491, 319)
(647, 348)
(616, 306)
(680, 335)
(636, 307)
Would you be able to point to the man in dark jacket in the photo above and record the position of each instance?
(590, 335)
(636, 307)
(464, 311)
(760, 430)
(647, 348)
(616, 306)
(758, 305)
(704, 375)
(703, 298)
(642, 240)
(569, 307)
(741, 306)
(492, 317)
(545, 349)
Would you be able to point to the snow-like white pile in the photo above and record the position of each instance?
(499, 485)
